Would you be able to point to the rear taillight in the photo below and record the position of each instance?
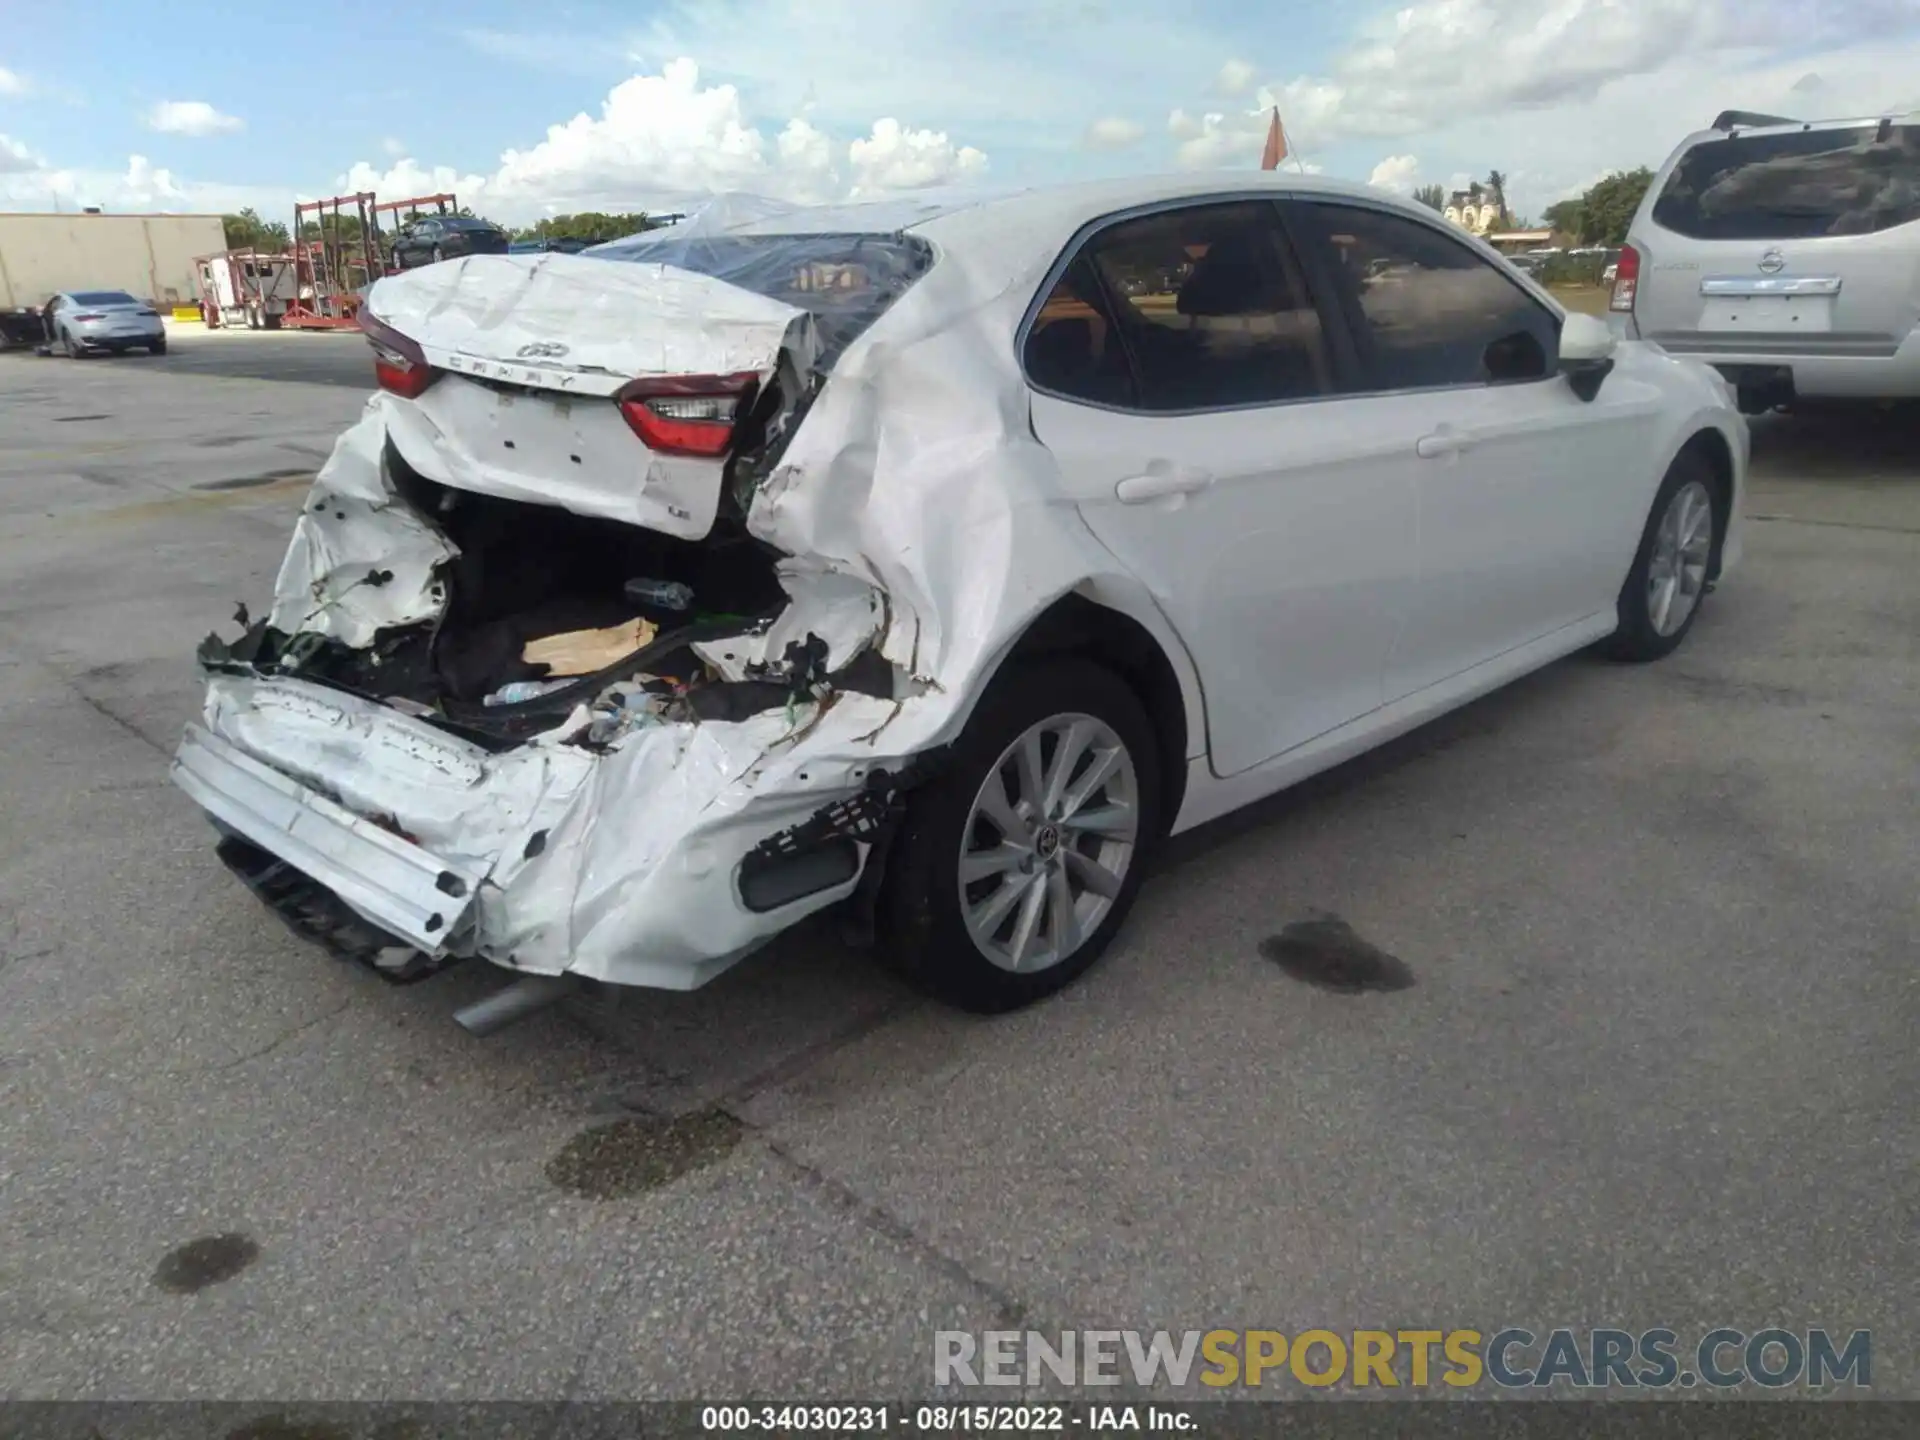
(398, 363)
(90, 315)
(688, 414)
(1626, 279)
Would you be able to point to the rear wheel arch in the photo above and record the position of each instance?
(1713, 448)
(1075, 625)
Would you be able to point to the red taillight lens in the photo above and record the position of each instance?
(688, 414)
(1626, 279)
(89, 316)
(398, 363)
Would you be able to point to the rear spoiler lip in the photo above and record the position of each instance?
(1749, 120)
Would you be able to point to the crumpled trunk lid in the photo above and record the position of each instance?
(530, 352)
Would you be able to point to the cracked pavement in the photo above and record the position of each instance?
(1655, 1068)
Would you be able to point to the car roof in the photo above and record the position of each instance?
(1073, 203)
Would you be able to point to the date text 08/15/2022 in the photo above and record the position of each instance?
(943, 1419)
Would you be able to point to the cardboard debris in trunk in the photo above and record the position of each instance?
(581, 652)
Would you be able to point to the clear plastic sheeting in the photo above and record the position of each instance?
(844, 279)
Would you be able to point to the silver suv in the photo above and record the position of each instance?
(1786, 254)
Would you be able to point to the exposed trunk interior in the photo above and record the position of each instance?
(527, 572)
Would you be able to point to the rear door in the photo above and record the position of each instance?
(1189, 389)
(1780, 241)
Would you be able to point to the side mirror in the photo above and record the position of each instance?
(1586, 354)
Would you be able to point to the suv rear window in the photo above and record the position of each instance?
(846, 282)
(1795, 185)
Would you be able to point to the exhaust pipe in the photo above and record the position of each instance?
(528, 995)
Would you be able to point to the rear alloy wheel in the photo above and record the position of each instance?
(71, 350)
(1016, 867)
(1661, 597)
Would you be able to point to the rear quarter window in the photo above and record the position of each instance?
(1795, 185)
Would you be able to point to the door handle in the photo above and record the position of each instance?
(1161, 481)
(1442, 443)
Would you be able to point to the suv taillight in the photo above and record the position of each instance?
(399, 365)
(1626, 279)
(687, 414)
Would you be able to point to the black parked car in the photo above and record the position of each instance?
(441, 237)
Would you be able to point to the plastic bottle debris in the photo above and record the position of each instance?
(522, 691)
(666, 594)
(623, 707)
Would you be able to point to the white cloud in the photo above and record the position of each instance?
(15, 158)
(1234, 78)
(1112, 132)
(12, 82)
(1213, 140)
(394, 148)
(896, 158)
(662, 140)
(191, 117)
(1396, 172)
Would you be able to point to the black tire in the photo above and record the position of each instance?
(71, 350)
(923, 932)
(158, 347)
(1638, 638)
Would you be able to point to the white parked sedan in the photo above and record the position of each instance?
(931, 559)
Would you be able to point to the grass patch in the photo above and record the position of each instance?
(1587, 299)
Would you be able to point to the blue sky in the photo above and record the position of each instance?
(535, 108)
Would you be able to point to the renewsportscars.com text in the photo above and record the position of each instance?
(1509, 1359)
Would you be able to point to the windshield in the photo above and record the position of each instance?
(846, 282)
(103, 297)
(1795, 185)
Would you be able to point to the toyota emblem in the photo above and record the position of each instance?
(1773, 262)
(548, 350)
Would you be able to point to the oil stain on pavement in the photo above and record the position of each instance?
(1325, 952)
(637, 1154)
(192, 1267)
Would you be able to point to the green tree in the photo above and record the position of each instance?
(1434, 197)
(247, 231)
(1607, 208)
(1497, 191)
(1568, 217)
(587, 225)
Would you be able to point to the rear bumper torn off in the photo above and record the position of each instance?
(415, 896)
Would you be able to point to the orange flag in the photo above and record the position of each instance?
(1276, 150)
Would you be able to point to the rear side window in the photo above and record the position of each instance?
(1795, 185)
(1190, 309)
(1430, 311)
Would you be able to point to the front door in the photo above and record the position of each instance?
(1187, 386)
(1518, 479)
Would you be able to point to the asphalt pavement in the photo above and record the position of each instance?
(1655, 1066)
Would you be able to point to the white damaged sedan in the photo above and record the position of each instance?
(931, 560)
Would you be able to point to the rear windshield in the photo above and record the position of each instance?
(465, 222)
(103, 297)
(846, 282)
(1795, 185)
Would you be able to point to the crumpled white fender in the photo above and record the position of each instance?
(352, 531)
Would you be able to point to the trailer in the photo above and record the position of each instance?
(246, 288)
(333, 266)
